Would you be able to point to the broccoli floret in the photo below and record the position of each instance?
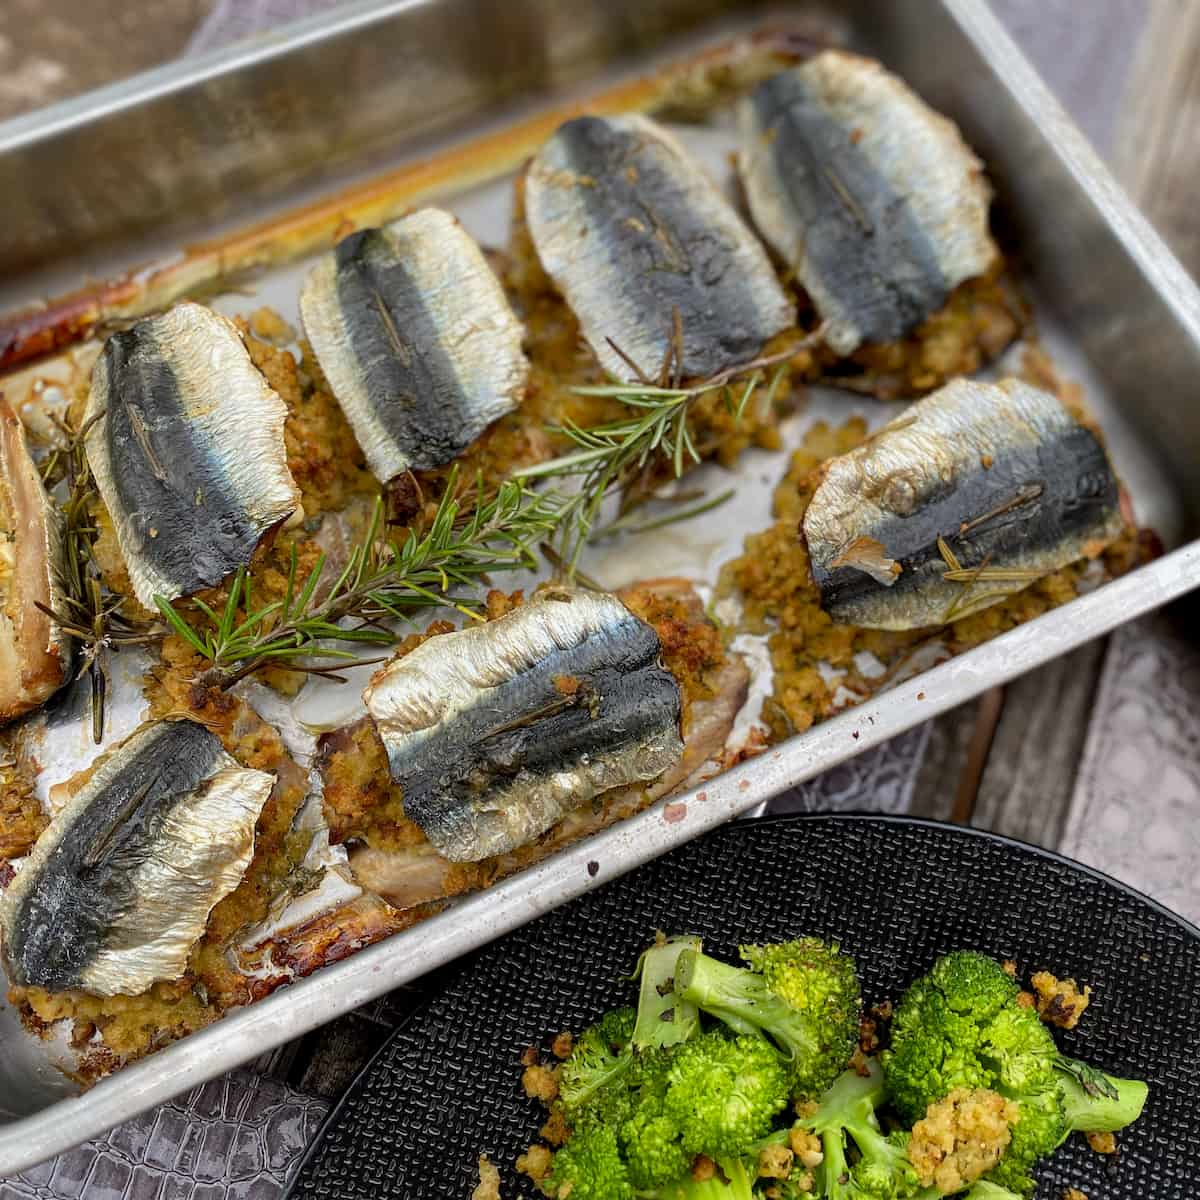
(723, 1093)
(599, 1059)
(712, 1095)
(960, 1026)
(846, 1124)
(589, 1167)
(651, 1141)
(802, 994)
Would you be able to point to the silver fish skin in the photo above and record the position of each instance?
(496, 731)
(868, 194)
(187, 449)
(631, 229)
(119, 886)
(1002, 472)
(35, 653)
(416, 338)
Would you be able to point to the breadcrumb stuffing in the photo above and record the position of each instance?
(806, 1146)
(1010, 968)
(1103, 1143)
(961, 1137)
(1074, 1194)
(562, 1045)
(1026, 1000)
(556, 1130)
(488, 1187)
(540, 1083)
(1060, 1001)
(816, 662)
(535, 1162)
(775, 1162)
(268, 326)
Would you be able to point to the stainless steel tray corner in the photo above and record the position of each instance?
(330, 97)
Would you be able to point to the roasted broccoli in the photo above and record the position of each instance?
(688, 1098)
(857, 1159)
(599, 1058)
(802, 994)
(664, 1099)
(663, 1018)
(589, 1167)
(960, 1027)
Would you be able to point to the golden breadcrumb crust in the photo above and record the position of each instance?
(961, 1137)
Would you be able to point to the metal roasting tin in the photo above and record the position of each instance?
(390, 104)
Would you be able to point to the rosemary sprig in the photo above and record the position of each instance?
(471, 536)
(623, 456)
(971, 600)
(386, 578)
(87, 609)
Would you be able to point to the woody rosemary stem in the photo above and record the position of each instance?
(473, 535)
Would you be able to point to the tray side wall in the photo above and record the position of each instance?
(1111, 279)
(199, 140)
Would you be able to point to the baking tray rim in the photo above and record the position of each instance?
(469, 923)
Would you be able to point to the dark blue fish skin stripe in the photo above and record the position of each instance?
(413, 386)
(194, 544)
(678, 262)
(87, 880)
(860, 238)
(1076, 482)
(443, 778)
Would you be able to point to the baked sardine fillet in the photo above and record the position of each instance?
(406, 870)
(1013, 485)
(632, 231)
(871, 197)
(187, 449)
(416, 338)
(34, 652)
(498, 730)
(120, 884)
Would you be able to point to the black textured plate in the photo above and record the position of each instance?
(895, 892)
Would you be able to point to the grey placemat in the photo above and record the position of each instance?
(1135, 812)
(235, 1138)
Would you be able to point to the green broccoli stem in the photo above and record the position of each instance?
(1106, 1108)
(737, 1184)
(741, 1180)
(849, 1100)
(981, 1189)
(847, 1108)
(663, 1017)
(741, 999)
